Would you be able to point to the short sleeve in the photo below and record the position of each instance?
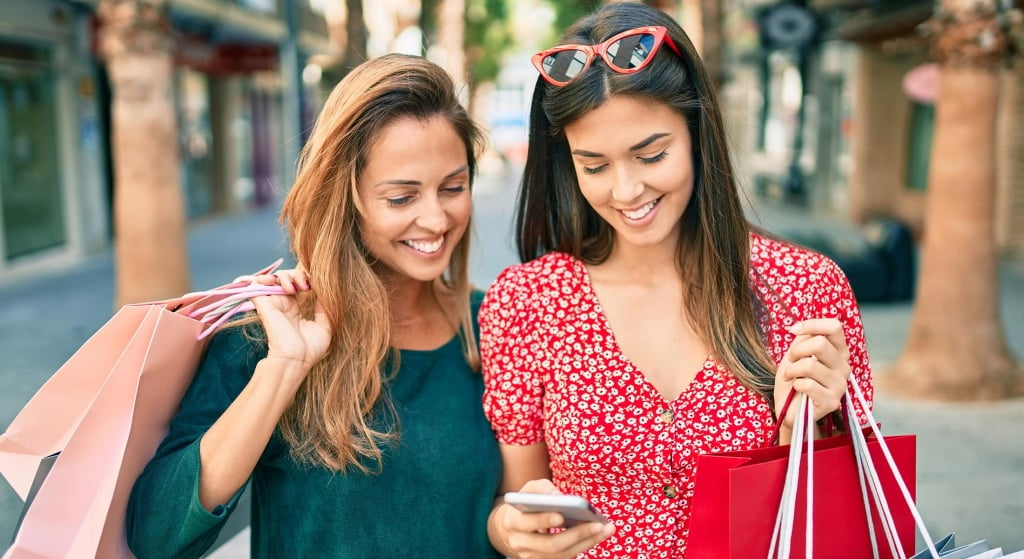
(509, 336)
(836, 300)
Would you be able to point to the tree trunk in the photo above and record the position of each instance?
(956, 347)
(692, 20)
(450, 33)
(149, 210)
(711, 50)
(355, 35)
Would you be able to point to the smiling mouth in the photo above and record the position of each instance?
(425, 246)
(641, 212)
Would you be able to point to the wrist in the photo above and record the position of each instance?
(499, 537)
(785, 434)
(289, 373)
(286, 364)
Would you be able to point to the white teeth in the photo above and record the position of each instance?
(426, 247)
(639, 214)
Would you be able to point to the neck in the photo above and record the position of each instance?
(643, 264)
(411, 300)
(419, 316)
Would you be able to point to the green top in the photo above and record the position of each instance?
(430, 498)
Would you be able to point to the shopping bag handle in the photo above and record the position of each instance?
(803, 430)
(828, 423)
(216, 306)
(904, 492)
(782, 534)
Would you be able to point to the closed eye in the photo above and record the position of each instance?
(655, 159)
(594, 170)
(399, 201)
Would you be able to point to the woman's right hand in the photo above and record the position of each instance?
(528, 535)
(292, 339)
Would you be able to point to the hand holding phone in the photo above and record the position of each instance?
(575, 510)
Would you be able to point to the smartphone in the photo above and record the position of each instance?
(575, 510)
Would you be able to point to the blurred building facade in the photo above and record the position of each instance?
(849, 110)
(895, 92)
(243, 109)
(823, 120)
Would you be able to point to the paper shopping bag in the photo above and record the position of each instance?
(737, 494)
(947, 549)
(105, 411)
(44, 469)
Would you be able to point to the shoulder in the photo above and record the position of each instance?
(238, 344)
(527, 289)
(551, 271)
(476, 298)
(780, 260)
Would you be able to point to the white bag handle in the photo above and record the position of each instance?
(782, 535)
(803, 430)
(861, 441)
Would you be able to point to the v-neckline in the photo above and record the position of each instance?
(590, 291)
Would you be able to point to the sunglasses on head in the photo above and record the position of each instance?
(625, 53)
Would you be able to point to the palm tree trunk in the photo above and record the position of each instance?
(355, 35)
(149, 210)
(711, 51)
(956, 347)
(451, 33)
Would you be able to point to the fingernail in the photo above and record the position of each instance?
(796, 328)
(597, 529)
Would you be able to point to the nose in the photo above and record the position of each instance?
(627, 187)
(432, 216)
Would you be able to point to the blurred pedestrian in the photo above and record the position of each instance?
(351, 405)
(650, 322)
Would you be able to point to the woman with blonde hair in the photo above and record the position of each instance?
(352, 404)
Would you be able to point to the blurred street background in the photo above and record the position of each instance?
(841, 137)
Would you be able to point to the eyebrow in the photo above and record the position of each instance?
(409, 182)
(641, 145)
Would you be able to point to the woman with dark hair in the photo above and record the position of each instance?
(352, 405)
(650, 322)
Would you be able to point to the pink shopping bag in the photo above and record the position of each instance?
(104, 412)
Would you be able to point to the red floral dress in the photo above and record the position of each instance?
(554, 374)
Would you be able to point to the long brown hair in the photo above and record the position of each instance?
(714, 246)
(329, 422)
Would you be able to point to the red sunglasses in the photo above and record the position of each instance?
(625, 53)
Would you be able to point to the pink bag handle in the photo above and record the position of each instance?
(216, 306)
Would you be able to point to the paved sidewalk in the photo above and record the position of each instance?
(970, 459)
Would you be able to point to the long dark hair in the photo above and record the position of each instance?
(714, 245)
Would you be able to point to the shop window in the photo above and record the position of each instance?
(31, 203)
(919, 145)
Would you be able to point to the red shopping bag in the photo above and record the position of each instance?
(103, 413)
(737, 494)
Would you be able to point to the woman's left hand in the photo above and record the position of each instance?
(817, 364)
(291, 336)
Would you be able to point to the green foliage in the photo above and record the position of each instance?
(487, 38)
(568, 11)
